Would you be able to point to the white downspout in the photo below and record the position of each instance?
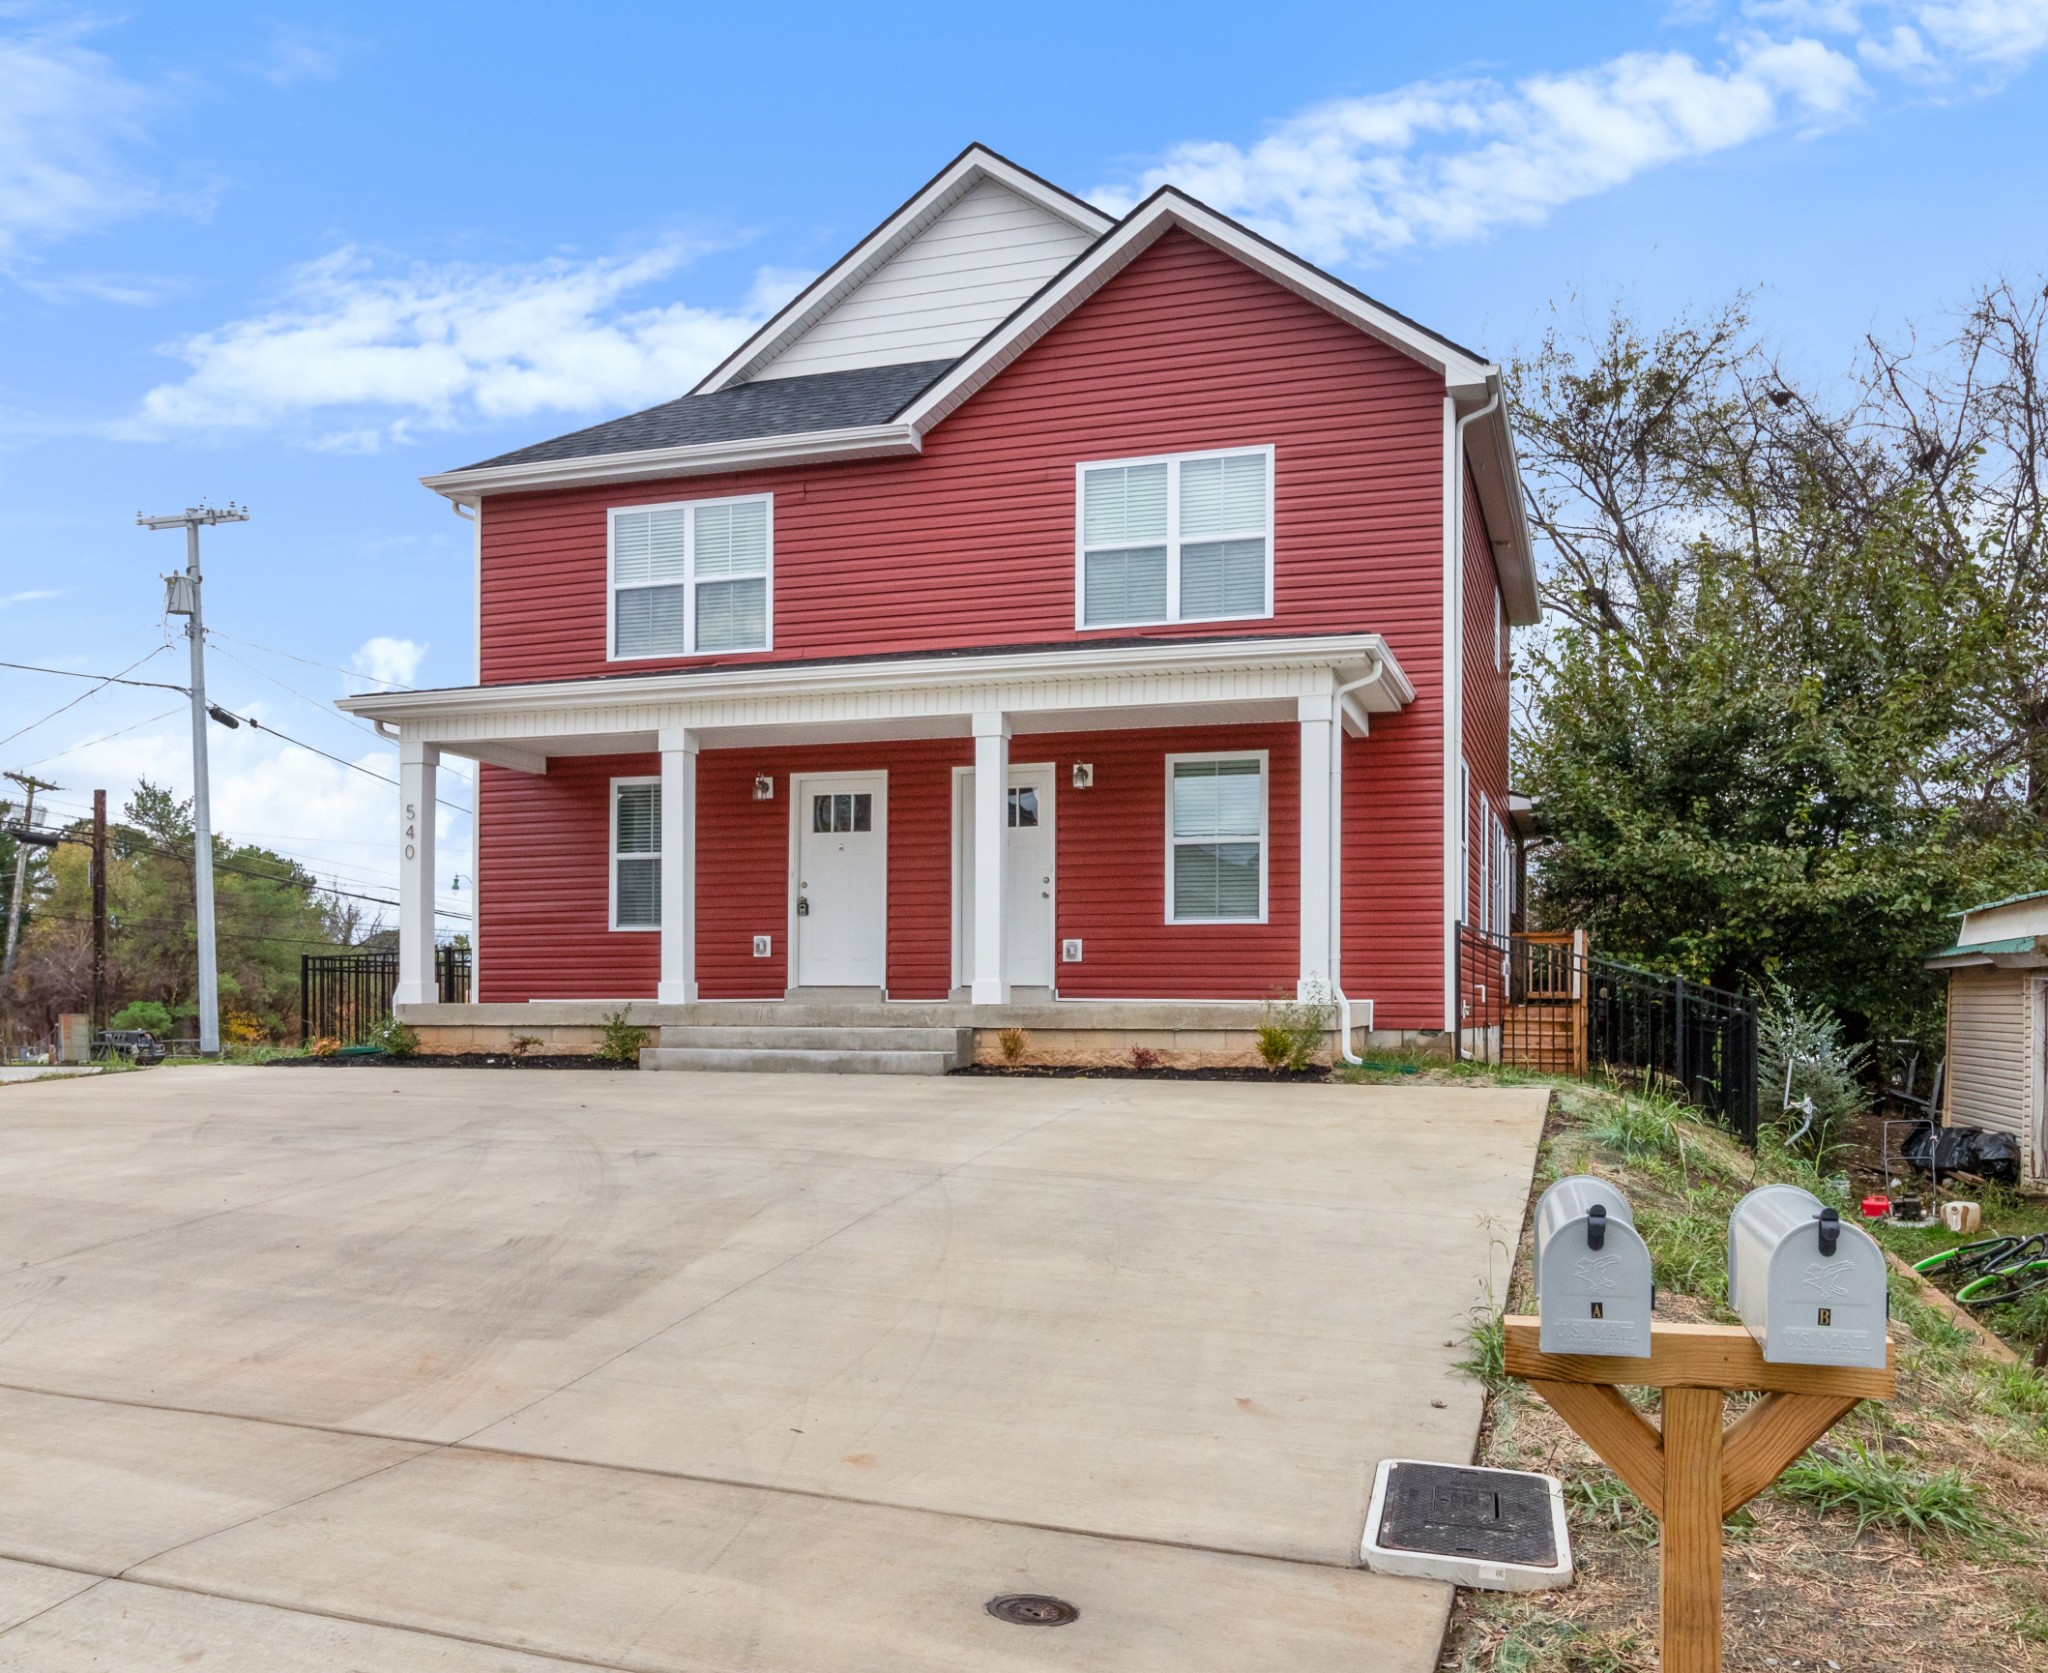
(1379, 667)
(1454, 687)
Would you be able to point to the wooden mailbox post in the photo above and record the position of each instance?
(1693, 1472)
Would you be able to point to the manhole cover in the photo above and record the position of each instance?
(1498, 1516)
(1032, 1609)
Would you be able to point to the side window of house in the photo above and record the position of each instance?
(1216, 839)
(691, 579)
(1183, 538)
(636, 854)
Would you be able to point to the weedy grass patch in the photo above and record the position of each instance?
(1880, 1492)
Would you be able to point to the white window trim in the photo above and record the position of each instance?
(1485, 863)
(689, 583)
(612, 857)
(1500, 629)
(1265, 833)
(1173, 462)
(1464, 843)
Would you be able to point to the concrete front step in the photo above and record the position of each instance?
(762, 1036)
(786, 1060)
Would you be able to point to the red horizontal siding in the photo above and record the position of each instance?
(971, 544)
(545, 883)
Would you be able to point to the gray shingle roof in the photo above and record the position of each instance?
(768, 407)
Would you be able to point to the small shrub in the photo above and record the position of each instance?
(394, 1039)
(524, 1043)
(1292, 1032)
(1144, 1057)
(1801, 1056)
(243, 1028)
(326, 1046)
(1012, 1042)
(623, 1041)
(146, 1014)
(1866, 1484)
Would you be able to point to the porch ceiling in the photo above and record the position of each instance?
(1089, 688)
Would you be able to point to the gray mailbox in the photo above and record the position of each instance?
(1593, 1287)
(1810, 1288)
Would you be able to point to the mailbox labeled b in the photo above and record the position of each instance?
(1810, 1287)
(1594, 1293)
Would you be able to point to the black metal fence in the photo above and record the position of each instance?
(1541, 1002)
(343, 996)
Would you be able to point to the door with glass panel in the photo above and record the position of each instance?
(842, 848)
(1027, 879)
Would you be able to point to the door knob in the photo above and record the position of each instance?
(803, 906)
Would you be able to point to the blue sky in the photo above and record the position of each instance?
(298, 257)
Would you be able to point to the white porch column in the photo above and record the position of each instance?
(678, 984)
(991, 848)
(1318, 716)
(418, 770)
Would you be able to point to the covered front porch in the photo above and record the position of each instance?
(968, 842)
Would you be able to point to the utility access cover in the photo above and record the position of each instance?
(1502, 1530)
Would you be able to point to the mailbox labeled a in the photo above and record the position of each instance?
(1809, 1287)
(1594, 1293)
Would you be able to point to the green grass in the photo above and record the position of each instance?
(1863, 1482)
(1605, 1502)
(1486, 1351)
(2018, 1392)
(1636, 1127)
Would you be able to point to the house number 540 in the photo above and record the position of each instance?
(412, 814)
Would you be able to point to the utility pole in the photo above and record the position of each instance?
(28, 818)
(181, 598)
(99, 913)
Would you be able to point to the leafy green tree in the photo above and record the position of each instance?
(1778, 724)
(267, 911)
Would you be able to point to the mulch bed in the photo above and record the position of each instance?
(1119, 1072)
(453, 1060)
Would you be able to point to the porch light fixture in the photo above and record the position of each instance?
(764, 788)
(1084, 775)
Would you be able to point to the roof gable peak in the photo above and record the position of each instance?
(982, 219)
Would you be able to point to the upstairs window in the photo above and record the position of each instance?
(1216, 839)
(1186, 538)
(691, 579)
(636, 853)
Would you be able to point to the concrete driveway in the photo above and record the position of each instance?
(470, 1370)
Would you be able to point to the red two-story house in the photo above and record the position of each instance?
(1095, 626)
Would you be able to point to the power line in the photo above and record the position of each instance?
(104, 679)
(332, 668)
(353, 766)
(326, 709)
(104, 737)
(104, 682)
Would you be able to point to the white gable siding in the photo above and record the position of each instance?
(940, 294)
(1991, 1051)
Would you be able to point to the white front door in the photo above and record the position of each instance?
(842, 849)
(1027, 903)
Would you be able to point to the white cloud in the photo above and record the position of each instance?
(389, 661)
(33, 595)
(296, 55)
(1441, 162)
(67, 121)
(451, 345)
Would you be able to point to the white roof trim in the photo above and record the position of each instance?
(867, 441)
(606, 695)
(974, 165)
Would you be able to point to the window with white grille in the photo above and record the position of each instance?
(1216, 839)
(636, 853)
(1183, 538)
(692, 579)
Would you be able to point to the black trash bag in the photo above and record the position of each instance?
(1940, 1150)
